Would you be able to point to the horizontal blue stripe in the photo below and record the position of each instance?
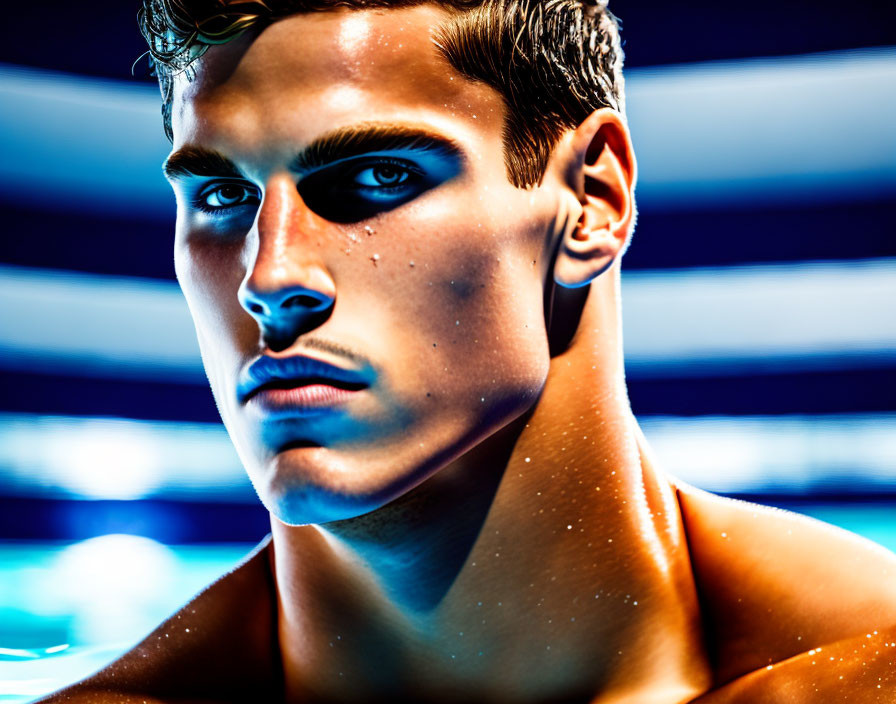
(105, 243)
(856, 390)
(731, 320)
(764, 129)
(779, 455)
(801, 128)
(103, 458)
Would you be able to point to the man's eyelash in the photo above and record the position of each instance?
(392, 161)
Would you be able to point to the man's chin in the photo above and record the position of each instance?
(303, 488)
(317, 505)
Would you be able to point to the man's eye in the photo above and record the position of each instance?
(221, 196)
(382, 175)
(354, 189)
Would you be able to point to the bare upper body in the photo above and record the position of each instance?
(420, 365)
(790, 610)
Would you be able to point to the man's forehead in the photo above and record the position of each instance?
(345, 62)
(342, 42)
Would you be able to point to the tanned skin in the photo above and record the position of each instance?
(484, 522)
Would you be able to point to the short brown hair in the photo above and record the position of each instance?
(553, 61)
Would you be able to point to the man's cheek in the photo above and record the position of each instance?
(210, 277)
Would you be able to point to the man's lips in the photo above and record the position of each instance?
(312, 396)
(298, 381)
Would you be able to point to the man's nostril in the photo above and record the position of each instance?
(301, 300)
(256, 308)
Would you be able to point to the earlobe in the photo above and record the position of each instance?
(602, 176)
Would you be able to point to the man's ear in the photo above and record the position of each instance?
(601, 172)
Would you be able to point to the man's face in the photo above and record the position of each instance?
(361, 239)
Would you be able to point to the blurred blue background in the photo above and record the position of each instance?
(758, 294)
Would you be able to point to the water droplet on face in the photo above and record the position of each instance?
(411, 264)
(528, 459)
(375, 258)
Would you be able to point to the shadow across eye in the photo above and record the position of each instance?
(358, 189)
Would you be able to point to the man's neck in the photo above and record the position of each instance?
(548, 561)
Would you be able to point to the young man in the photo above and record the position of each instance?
(399, 232)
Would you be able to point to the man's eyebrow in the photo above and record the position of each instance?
(198, 161)
(347, 142)
(342, 143)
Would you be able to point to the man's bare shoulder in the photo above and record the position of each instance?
(775, 585)
(859, 670)
(220, 647)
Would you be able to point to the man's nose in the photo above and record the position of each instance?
(287, 287)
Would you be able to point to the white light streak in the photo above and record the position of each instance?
(778, 454)
(102, 458)
(795, 316)
(763, 129)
